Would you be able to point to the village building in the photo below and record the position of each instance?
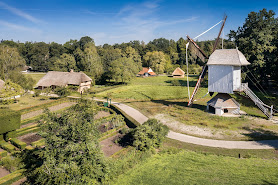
(146, 71)
(178, 73)
(2, 84)
(224, 77)
(63, 79)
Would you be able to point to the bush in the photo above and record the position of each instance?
(62, 91)
(10, 120)
(149, 135)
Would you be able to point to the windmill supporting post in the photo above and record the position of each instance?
(271, 111)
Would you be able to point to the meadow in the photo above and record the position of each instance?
(187, 167)
(35, 76)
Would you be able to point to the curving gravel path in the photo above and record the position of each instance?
(138, 116)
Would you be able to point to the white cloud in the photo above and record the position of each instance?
(19, 13)
(18, 27)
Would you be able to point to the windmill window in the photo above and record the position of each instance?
(225, 110)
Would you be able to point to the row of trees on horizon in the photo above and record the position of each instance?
(256, 39)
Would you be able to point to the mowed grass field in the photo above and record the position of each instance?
(153, 88)
(186, 167)
(35, 76)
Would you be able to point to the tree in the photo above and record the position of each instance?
(11, 89)
(72, 152)
(65, 62)
(123, 69)
(10, 60)
(149, 135)
(257, 40)
(156, 60)
(93, 62)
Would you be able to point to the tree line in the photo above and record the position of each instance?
(256, 39)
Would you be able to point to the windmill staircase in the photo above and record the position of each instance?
(267, 110)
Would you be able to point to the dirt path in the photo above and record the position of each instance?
(138, 116)
(53, 108)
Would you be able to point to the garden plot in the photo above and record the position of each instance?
(109, 146)
(3, 172)
(29, 138)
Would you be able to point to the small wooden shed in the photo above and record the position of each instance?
(178, 73)
(223, 103)
(224, 70)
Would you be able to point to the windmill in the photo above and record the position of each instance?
(224, 78)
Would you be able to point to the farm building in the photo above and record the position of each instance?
(2, 84)
(224, 70)
(146, 71)
(63, 79)
(178, 73)
(223, 103)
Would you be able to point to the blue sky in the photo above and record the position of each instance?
(109, 21)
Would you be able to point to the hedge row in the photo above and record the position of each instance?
(44, 105)
(12, 177)
(3, 154)
(110, 133)
(10, 120)
(23, 131)
(7, 146)
(18, 143)
(38, 143)
(132, 123)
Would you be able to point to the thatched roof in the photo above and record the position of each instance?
(2, 84)
(58, 78)
(230, 57)
(146, 70)
(178, 71)
(222, 100)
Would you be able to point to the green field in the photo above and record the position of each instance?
(187, 167)
(35, 76)
(153, 88)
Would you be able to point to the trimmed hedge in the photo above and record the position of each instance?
(3, 153)
(38, 143)
(10, 120)
(18, 143)
(29, 147)
(132, 123)
(22, 131)
(1, 137)
(7, 146)
(12, 177)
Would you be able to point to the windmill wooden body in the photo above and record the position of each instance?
(224, 77)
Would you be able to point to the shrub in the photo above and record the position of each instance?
(149, 135)
(62, 91)
(10, 120)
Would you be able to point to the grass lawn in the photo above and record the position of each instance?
(28, 101)
(187, 167)
(35, 76)
(162, 94)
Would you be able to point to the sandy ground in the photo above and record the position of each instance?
(109, 147)
(3, 172)
(101, 114)
(29, 138)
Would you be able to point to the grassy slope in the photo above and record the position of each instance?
(194, 168)
(35, 76)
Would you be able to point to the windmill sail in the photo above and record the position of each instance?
(196, 50)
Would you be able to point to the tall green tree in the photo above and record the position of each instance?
(123, 69)
(65, 62)
(10, 60)
(257, 40)
(156, 60)
(72, 153)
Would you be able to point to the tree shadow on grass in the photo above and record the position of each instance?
(182, 104)
(263, 137)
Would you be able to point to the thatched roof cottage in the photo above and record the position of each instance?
(178, 73)
(63, 79)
